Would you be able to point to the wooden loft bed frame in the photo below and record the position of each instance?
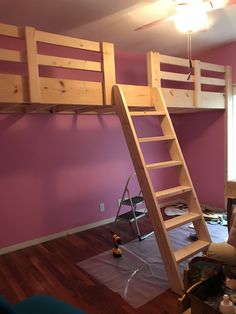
(31, 81)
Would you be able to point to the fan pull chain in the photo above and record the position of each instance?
(189, 38)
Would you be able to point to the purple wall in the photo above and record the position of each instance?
(56, 169)
(201, 137)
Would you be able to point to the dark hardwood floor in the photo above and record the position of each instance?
(50, 268)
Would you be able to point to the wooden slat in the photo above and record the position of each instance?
(173, 191)
(69, 63)
(109, 73)
(190, 250)
(137, 96)
(153, 68)
(197, 83)
(10, 108)
(11, 55)
(228, 105)
(147, 113)
(13, 89)
(212, 81)
(179, 77)
(67, 41)
(174, 60)
(178, 98)
(212, 67)
(156, 138)
(58, 91)
(33, 71)
(212, 100)
(11, 30)
(181, 220)
(164, 164)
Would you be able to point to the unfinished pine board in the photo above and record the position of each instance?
(212, 67)
(212, 81)
(180, 220)
(109, 73)
(180, 77)
(67, 41)
(172, 191)
(156, 138)
(190, 250)
(69, 63)
(163, 164)
(11, 30)
(56, 91)
(147, 113)
(212, 100)
(11, 108)
(197, 83)
(13, 89)
(154, 69)
(174, 60)
(12, 55)
(137, 96)
(178, 98)
(228, 105)
(33, 70)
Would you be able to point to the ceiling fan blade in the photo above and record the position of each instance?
(154, 23)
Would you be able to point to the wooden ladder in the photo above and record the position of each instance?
(170, 257)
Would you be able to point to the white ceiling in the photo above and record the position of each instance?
(115, 21)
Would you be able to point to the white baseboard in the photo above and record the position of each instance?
(64, 233)
(53, 236)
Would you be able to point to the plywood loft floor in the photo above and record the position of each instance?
(139, 275)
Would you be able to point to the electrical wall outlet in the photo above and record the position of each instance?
(101, 207)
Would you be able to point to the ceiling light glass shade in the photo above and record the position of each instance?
(191, 17)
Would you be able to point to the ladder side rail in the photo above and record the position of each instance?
(183, 173)
(148, 192)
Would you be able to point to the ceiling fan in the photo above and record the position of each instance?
(188, 15)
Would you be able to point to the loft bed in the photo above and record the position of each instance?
(48, 73)
(43, 72)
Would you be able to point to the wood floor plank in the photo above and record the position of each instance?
(50, 268)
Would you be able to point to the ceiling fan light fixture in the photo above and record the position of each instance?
(191, 16)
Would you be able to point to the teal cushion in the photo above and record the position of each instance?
(5, 307)
(44, 305)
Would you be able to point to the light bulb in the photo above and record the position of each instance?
(191, 17)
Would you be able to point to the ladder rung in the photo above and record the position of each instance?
(190, 250)
(164, 164)
(156, 138)
(181, 220)
(148, 113)
(173, 191)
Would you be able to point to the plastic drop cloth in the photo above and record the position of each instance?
(139, 275)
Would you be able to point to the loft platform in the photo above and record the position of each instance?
(42, 72)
